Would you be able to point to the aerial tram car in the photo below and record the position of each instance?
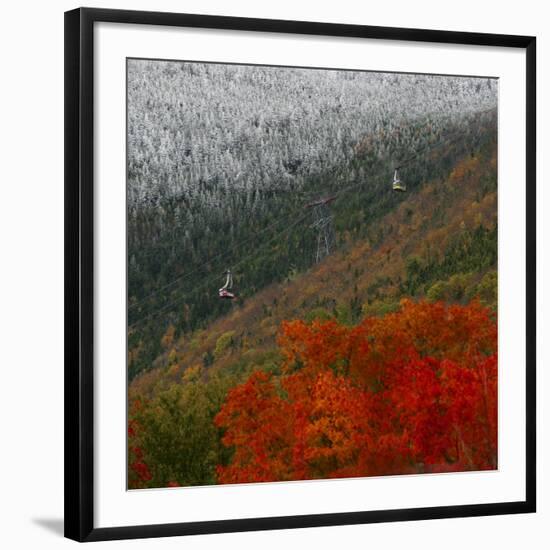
(397, 184)
(225, 291)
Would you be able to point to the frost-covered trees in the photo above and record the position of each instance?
(200, 128)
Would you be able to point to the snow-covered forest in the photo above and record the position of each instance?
(222, 158)
(208, 129)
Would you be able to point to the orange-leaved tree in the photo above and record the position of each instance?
(414, 391)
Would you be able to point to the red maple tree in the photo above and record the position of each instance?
(414, 391)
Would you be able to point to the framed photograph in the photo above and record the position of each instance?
(300, 274)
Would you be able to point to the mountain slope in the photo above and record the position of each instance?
(439, 242)
(222, 158)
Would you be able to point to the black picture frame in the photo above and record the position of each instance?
(79, 273)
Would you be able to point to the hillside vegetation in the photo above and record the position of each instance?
(197, 417)
(440, 244)
(222, 161)
(378, 358)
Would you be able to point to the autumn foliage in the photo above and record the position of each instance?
(139, 473)
(412, 392)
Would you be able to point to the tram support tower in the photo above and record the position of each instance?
(322, 222)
